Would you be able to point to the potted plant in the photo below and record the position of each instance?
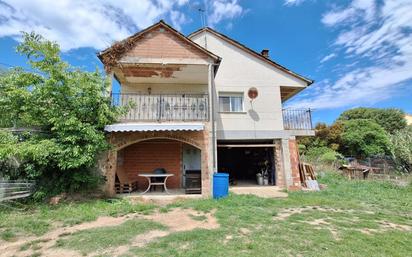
(259, 179)
(266, 180)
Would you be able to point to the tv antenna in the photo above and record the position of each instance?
(202, 13)
(202, 9)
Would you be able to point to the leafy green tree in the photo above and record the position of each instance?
(401, 148)
(391, 119)
(363, 138)
(325, 136)
(69, 106)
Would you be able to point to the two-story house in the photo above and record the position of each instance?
(201, 104)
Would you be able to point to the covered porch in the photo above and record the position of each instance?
(179, 161)
(180, 150)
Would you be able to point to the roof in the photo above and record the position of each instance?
(250, 51)
(113, 53)
(130, 127)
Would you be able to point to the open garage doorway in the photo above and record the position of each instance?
(248, 164)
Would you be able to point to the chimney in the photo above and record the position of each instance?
(265, 53)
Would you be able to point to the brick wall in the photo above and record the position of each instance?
(144, 157)
(161, 43)
(294, 163)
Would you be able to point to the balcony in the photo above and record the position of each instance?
(297, 119)
(164, 107)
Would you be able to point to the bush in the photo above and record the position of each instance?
(322, 155)
(68, 106)
(325, 135)
(390, 119)
(363, 138)
(401, 149)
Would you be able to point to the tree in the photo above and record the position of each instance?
(322, 154)
(401, 148)
(70, 107)
(391, 120)
(363, 138)
(325, 136)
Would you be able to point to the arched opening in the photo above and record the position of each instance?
(156, 137)
(137, 161)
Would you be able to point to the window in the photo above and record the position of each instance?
(232, 102)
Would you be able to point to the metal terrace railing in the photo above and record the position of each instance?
(167, 107)
(299, 119)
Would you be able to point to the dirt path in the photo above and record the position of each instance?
(49, 239)
(287, 212)
(175, 220)
(327, 223)
(261, 191)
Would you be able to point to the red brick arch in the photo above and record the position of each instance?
(121, 140)
(180, 139)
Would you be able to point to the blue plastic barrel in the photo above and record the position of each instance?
(220, 185)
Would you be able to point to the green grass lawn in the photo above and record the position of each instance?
(37, 219)
(97, 239)
(349, 218)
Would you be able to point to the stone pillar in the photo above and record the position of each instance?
(207, 163)
(279, 172)
(110, 172)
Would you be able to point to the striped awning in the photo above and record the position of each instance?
(130, 127)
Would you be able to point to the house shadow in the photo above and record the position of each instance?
(254, 115)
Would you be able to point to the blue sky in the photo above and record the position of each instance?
(359, 52)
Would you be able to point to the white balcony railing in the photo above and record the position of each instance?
(297, 119)
(164, 107)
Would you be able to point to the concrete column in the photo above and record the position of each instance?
(212, 115)
(287, 168)
(210, 129)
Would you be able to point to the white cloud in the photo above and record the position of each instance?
(335, 17)
(178, 19)
(293, 2)
(87, 23)
(97, 23)
(328, 57)
(358, 9)
(380, 41)
(223, 10)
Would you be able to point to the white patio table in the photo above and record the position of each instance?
(149, 177)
